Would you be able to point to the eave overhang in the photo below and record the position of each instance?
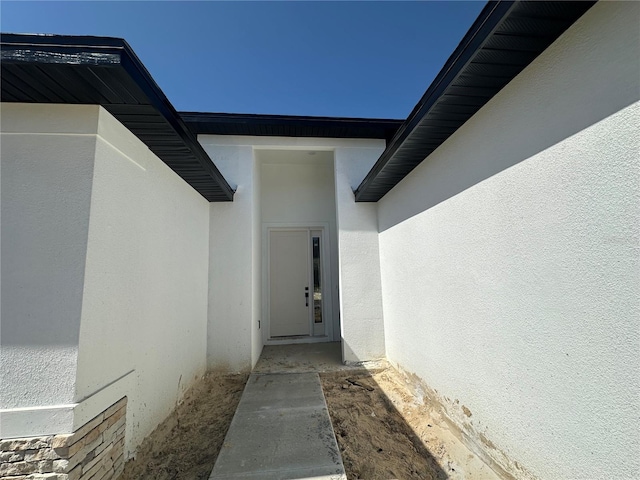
(105, 71)
(505, 38)
(290, 126)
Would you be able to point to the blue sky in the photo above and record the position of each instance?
(351, 59)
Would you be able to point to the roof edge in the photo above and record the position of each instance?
(269, 116)
(247, 124)
(159, 100)
(414, 141)
(482, 27)
(47, 51)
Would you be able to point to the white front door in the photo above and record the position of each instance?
(289, 278)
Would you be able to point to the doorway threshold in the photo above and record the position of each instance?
(318, 357)
(297, 340)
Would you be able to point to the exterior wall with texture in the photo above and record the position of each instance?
(47, 161)
(359, 257)
(510, 262)
(143, 328)
(232, 338)
(256, 267)
(104, 264)
(233, 321)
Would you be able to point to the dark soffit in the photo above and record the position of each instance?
(289, 125)
(505, 38)
(105, 71)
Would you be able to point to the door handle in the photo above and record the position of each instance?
(306, 296)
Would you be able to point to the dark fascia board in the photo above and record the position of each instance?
(45, 51)
(381, 179)
(290, 125)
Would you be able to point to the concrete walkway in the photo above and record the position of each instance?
(280, 431)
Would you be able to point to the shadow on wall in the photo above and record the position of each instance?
(45, 225)
(524, 119)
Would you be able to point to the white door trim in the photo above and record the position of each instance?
(327, 297)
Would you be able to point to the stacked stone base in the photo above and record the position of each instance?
(93, 452)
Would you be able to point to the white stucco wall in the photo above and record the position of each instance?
(256, 267)
(233, 344)
(104, 268)
(297, 189)
(510, 261)
(143, 328)
(359, 257)
(233, 272)
(47, 156)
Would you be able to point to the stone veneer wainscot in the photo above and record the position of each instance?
(93, 452)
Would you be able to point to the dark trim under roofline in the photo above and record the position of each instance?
(290, 125)
(105, 71)
(505, 38)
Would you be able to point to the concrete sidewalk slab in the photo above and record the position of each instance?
(280, 431)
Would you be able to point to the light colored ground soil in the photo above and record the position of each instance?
(185, 446)
(382, 431)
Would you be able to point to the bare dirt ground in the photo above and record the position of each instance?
(185, 446)
(382, 431)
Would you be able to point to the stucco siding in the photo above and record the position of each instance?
(47, 161)
(231, 338)
(256, 267)
(510, 261)
(234, 341)
(143, 329)
(361, 313)
(104, 268)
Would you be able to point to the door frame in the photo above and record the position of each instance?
(327, 298)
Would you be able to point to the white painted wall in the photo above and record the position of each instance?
(359, 257)
(104, 265)
(145, 289)
(234, 305)
(510, 261)
(232, 276)
(256, 266)
(298, 189)
(47, 155)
